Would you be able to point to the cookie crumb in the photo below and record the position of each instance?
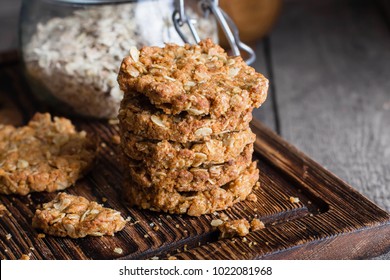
(104, 199)
(156, 228)
(233, 228)
(116, 139)
(171, 258)
(113, 121)
(24, 257)
(3, 209)
(216, 223)
(8, 236)
(155, 258)
(252, 197)
(256, 224)
(224, 217)
(41, 235)
(118, 250)
(294, 199)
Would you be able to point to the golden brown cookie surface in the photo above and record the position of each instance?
(193, 203)
(197, 79)
(45, 155)
(77, 217)
(168, 154)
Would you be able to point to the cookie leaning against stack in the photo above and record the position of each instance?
(184, 123)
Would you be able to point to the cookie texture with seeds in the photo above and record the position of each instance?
(197, 79)
(167, 154)
(139, 116)
(45, 155)
(200, 178)
(76, 217)
(192, 203)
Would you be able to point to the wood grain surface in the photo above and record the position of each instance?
(330, 214)
(331, 65)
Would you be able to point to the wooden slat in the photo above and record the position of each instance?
(331, 65)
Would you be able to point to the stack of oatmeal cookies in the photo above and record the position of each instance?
(184, 124)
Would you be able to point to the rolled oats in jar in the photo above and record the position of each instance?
(72, 49)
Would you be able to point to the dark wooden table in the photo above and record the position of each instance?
(329, 66)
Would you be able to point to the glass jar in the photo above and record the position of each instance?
(72, 50)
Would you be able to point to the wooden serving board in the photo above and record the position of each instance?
(331, 221)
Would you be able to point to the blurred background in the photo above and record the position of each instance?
(328, 62)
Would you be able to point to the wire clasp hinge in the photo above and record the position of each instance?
(227, 25)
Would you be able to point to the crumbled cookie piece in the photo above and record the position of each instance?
(256, 224)
(233, 228)
(216, 222)
(116, 139)
(241, 227)
(252, 197)
(294, 199)
(167, 154)
(193, 179)
(76, 217)
(223, 217)
(192, 203)
(46, 155)
(118, 250)
(197, 79)
(3, 209)
(24, 257)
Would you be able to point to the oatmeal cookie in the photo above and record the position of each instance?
(45, 155)
(198, 79)
(193, 203)
(77, 217)
(199, 178)
(167, 154)
(140, 117)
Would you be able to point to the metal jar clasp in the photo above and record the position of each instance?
(227, 25)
